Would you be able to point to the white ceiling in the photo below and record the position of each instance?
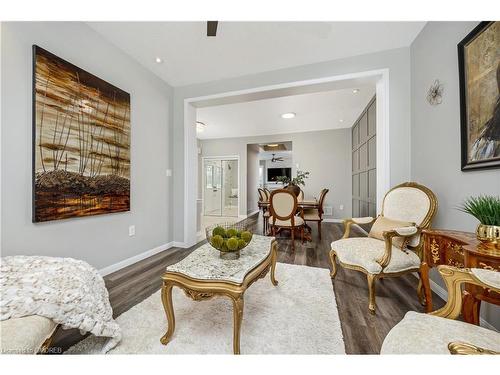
(315, 111)
(242, 48)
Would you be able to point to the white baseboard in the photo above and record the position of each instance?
(136, 258)
(253, 213)
(441, 292)
(179, 244)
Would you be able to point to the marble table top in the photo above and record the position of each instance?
(204, 263)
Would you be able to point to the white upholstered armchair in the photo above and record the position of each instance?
(438, 332)
(393, 246)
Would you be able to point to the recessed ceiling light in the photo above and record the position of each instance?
(200, 126)
(355, 91)
(273, 145)
(341, 120)
(288, 115)
(158, 60)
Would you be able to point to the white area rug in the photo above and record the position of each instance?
(299, 316)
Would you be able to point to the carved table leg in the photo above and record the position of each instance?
(424, 277)
(470, 308)
(166, 297)
(238, 305)
(274, 257)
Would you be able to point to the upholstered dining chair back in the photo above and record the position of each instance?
(300, 197)
(283, 204)
(262, 195)
(410, 202)
(322, 196)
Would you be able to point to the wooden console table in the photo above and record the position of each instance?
(459, 249)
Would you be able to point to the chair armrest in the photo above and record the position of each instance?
(406, 231)
(355, 220)
(466, 348)
(454, 278)
(409, 231)
(363, 220)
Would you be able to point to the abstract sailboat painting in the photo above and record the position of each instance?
(81, 142)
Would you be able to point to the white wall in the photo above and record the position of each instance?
(252, 178)
(435, 132)
(397, 62)
(100, 240)
(329, 164)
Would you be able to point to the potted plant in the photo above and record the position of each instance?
(293, 184)
(485, 208)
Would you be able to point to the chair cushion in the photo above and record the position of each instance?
(312, 215)
(25, 335)
(287, 223)
(421, 333)
(487, 276)
(383, 224)
(365, 251)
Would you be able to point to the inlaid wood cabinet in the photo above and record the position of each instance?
(462, 250)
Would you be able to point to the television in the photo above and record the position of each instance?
(273, 173)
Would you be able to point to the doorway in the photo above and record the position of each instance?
(220, 187)
(190, 184)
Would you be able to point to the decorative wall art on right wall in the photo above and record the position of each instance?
(479, 70)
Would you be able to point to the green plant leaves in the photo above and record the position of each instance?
(485, 208)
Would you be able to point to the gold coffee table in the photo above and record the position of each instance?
(203, 275)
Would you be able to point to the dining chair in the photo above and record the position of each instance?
(283, 207)
(300, 197)
(263, 197)
(316, 214)
(268, 193)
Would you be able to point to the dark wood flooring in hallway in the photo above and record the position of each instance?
(363, 332)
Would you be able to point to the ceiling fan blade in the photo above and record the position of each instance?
(212, 28)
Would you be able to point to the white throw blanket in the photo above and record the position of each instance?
(66, 290)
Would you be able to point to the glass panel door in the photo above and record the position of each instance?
(220, 179)
(230, 187)
(213, 188)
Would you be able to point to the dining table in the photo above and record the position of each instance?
(303, 204)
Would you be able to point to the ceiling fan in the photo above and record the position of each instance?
(212, 28)
(274, 159)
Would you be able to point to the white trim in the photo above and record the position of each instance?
(182, 245)
(383, 160)
(277, 86)
(136, 258)
(252, 213)
(441, 292)
(383, 156)
(190, 176)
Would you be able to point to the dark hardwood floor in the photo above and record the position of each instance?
(363, 332)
